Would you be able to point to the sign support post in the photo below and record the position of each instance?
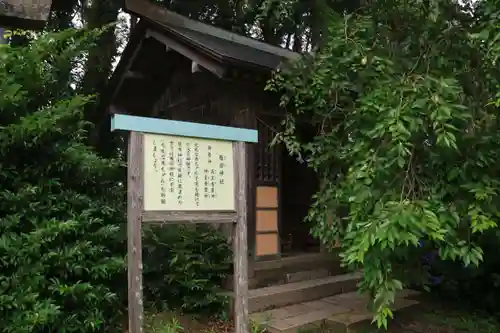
(182, 172)
(240, 242)
(135, 188)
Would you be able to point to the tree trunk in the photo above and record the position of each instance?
(316, 20)
(100, 60)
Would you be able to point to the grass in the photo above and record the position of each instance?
(169, 322)
(439, 319)
(457, 321)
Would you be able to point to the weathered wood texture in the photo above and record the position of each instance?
(189, 217)
(240, 249)
(200, 59)
(198, 97)
(134, 247)
(244, 112)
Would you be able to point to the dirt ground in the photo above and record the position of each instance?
(433, 318)
(425, 319)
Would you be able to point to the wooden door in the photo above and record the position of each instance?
(267, 217)
(299, 184)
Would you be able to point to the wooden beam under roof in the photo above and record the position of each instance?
(213, 66)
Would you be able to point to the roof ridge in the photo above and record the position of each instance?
(146, 9)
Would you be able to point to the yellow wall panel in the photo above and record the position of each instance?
(267, 220)
(267, 197)
(266, 244)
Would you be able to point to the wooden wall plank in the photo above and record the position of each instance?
(180, 217)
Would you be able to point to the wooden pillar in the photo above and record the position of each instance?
(244, 116)
(240, 249)
(135, 190)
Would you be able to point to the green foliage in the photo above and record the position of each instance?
(407, 142)
(490, 33)
(60, 203)
(62, 209)
(185, 267)
(172, 327)
(473, 287)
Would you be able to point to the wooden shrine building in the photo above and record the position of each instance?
(180, 69)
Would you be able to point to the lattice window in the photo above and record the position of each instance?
(267, 157)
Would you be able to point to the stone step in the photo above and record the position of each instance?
(306, 275)
(298, 292)
(360, 318)
(293, 269)
(297, 263)
(255, 282)
(338, 314)
(290, 269)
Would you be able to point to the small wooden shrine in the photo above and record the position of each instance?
(180, 69)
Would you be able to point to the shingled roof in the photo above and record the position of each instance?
(145, 69)
(222, 45)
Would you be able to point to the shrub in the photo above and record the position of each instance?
(184, 267)
(407, 147)
(62, 213)
(476, 286)
(60, 203)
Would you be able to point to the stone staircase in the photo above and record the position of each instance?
(342, 313)
(309, 292)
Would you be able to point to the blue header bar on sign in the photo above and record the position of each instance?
(181, 128)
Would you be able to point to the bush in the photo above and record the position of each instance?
(60, 203)
(184, 267)
(62, 210)
(408, 148)
(476, 286)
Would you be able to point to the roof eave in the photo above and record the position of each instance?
(154, 12)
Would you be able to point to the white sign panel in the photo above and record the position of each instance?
(188, 174)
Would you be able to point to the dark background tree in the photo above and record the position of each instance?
(407, 144)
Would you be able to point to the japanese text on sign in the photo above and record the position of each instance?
(187, 174)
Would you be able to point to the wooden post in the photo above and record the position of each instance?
(240, 246)
(147, 202)
(134, 221)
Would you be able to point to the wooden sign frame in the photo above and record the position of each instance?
(140, 126)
